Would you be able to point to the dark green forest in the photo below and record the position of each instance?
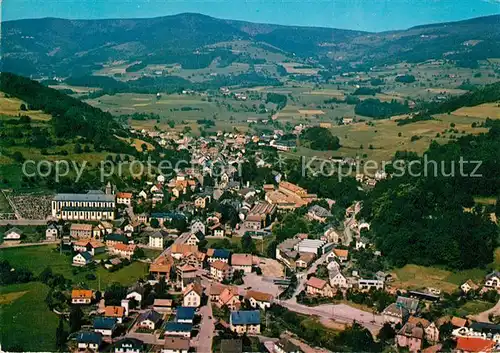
(374, 108)
(431, 218)
(319, 138)
(486, 94)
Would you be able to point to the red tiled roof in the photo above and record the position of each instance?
(81, 293)
(219, 265)
(259, 296)
(241, 260)
(316, 283)
(475, 344)
(124, 195)
(114, 311)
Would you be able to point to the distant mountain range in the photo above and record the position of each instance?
(52, 46)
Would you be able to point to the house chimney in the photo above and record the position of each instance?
(125, 304)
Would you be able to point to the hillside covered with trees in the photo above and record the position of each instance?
(70, 116)
(432, 219)
(319, 138)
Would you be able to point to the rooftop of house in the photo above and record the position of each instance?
(396, 310)
(219, 265)
(412, 330)
(124, 195)
(228, 294)
(245, 317)
(341, 252)
(176, 343)
(125, 247)
(241, 260)
(86, 255)
(193, 287)
(89, 337)
(90, 242)
(105, 323)
(178, 327)
(163, 302)
(409, 303)
(320, 211)
(81, 226)
(14, 230)
(114, 311)
(130, 343)
(88, 197)
(458, 321)
(474, 344)
(485, 327)
(150, 315)
(185, 313)
(81, 294)
(217, 288)
(419, 321)
(259, 296)
(116, 237)
(316, 283)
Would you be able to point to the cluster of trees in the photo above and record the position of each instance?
(376, 109)
(278, 99)
(377, 82)
(319, 138)
(170, 83)
(421, 219)
(405, 78)
(415, 119)
(366, 91)
(208, 123)
(486, 94)
(8, 275)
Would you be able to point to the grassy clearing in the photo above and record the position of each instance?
(4, 204)
(27, 323)
(8, 298)
(485, 200)
(260, 244)
(418, 277)
(76, 89)
(11, 107)
(36, 258)
(137, 143)
(491, 110)
(474, 307)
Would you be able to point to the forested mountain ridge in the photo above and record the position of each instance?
(51, 46)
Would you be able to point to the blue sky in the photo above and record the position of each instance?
(369, 15)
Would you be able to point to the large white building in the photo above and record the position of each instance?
(311, 246)
(94, 205)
